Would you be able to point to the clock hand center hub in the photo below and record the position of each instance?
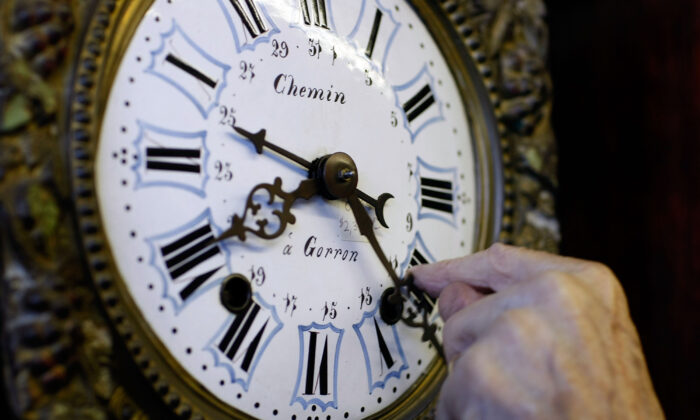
(336, 174)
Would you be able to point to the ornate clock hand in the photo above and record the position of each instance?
(307, 189)
(392, 301)
(365, 225)
(259, 141)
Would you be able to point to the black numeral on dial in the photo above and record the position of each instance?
(250, 17)
(314, 13)
(418, 103)
(172, 159)
(384, 357)
(240, 328)
(373, 35)
(189, 252)
(383, 348)
(437, 194)
(417, 258)
(187, 68)
(317, 378)
(316, 382)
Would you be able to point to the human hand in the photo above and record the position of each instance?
(533, 335)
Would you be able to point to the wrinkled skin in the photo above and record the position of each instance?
(553, 340)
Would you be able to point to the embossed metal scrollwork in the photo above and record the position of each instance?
(306, 190)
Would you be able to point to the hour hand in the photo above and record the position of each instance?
(264, 228)
(260, 142)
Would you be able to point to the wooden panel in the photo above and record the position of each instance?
(627, 119)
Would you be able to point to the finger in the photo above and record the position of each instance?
(456, 296)
(551, 292)
(453, 401)
(465, 326)
(497, 268)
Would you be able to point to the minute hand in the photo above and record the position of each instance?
(260, 143)
(364, 223)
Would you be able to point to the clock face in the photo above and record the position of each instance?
(320, 76)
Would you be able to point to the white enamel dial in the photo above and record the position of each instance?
(320, 76)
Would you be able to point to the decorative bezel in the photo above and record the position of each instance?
(106, 38)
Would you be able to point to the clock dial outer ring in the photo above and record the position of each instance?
(105, 41)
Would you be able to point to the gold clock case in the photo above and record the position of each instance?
(106, 39)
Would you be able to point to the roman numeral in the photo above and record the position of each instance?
(384, 357)
(191, 70)
(317, 378)
(420, 105)
(190, 251)
(383, 348)
(316, 382)
(437, 194)
(373, 35)
(421, 299)
(170, 159)
(417, 258)
(240, 328)
(242, 339)
(314, 13)
(173, 159)
(374, 31)
(420, 102)
(250, 17)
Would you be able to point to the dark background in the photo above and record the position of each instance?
(626, 115)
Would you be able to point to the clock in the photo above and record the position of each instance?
(263, 175)
(253, 180)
